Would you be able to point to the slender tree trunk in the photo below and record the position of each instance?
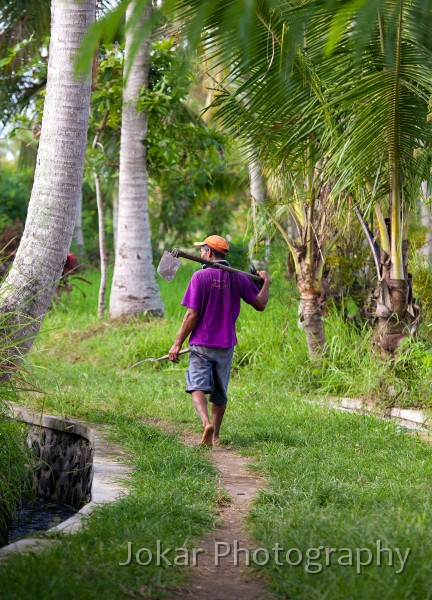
(312, 298)
(78, 231)
(102, 247)
(115, 219)
(31, 283)
(292, 234)
(426, 220)
(134, 288)
(259, 256)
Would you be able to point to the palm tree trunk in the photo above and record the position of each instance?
(134, 287)
(397, 310)
(312, 317)
(32, 281)
(311, 309)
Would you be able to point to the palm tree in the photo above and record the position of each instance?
(382, 100)
(134, 288)
(30, 285)
(264, 109)
(365, 106)
(307, 201)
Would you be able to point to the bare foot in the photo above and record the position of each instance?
(207, 438)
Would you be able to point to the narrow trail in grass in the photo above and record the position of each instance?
(228, 581)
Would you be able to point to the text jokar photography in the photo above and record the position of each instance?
(313, 560)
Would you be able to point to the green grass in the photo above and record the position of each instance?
(338, 480)
(14, 471)
(334, 479)
(172, 499)
(15, 459)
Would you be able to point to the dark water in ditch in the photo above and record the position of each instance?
(37, 514)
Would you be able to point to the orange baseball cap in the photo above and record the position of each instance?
(216, 242)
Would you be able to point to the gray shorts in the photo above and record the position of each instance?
(209, 371)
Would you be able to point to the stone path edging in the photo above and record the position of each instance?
(108, 473)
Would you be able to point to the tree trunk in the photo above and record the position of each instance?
(426, 220)
(115, 219)
(397, 311)
(134, 288)
(31, 283)
(102, 247)
(259, 255)
(312, 321)
(311, 307)
(78, 231)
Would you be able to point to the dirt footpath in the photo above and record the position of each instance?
(219, 575)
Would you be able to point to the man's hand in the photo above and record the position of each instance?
(264, 276)
(189, 322)
(174, 352)
(261, 300)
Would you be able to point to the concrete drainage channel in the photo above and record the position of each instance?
(78, 464)
(406, 417)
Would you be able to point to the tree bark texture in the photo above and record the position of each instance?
(426, 220)
(134, 288)
(78, 231)
(311, 314)
(115, 218)
(32, 281)
(396, 308)
(102, 247)
(259, 255)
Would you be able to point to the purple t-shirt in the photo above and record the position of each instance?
(216, 295)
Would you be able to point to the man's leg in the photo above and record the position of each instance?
(217, 416)
(218, 397)
(200, 404)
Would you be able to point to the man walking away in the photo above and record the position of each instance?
(213, 306)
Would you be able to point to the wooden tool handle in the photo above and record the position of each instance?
(165, 356)
(215, 265)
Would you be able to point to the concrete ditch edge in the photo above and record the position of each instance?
(407, 417)
(109, 475)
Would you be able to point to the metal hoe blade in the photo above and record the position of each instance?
(168, 266)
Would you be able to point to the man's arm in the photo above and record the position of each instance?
(261, 300)
(189, 322)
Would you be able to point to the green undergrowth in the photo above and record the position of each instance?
(334, 479)
(14, 469)
(15, 459)
(172, 499)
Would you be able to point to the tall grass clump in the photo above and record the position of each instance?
(14, 457)
(13, 469)
(14, 453)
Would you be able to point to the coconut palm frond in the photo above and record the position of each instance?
(383, 107)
